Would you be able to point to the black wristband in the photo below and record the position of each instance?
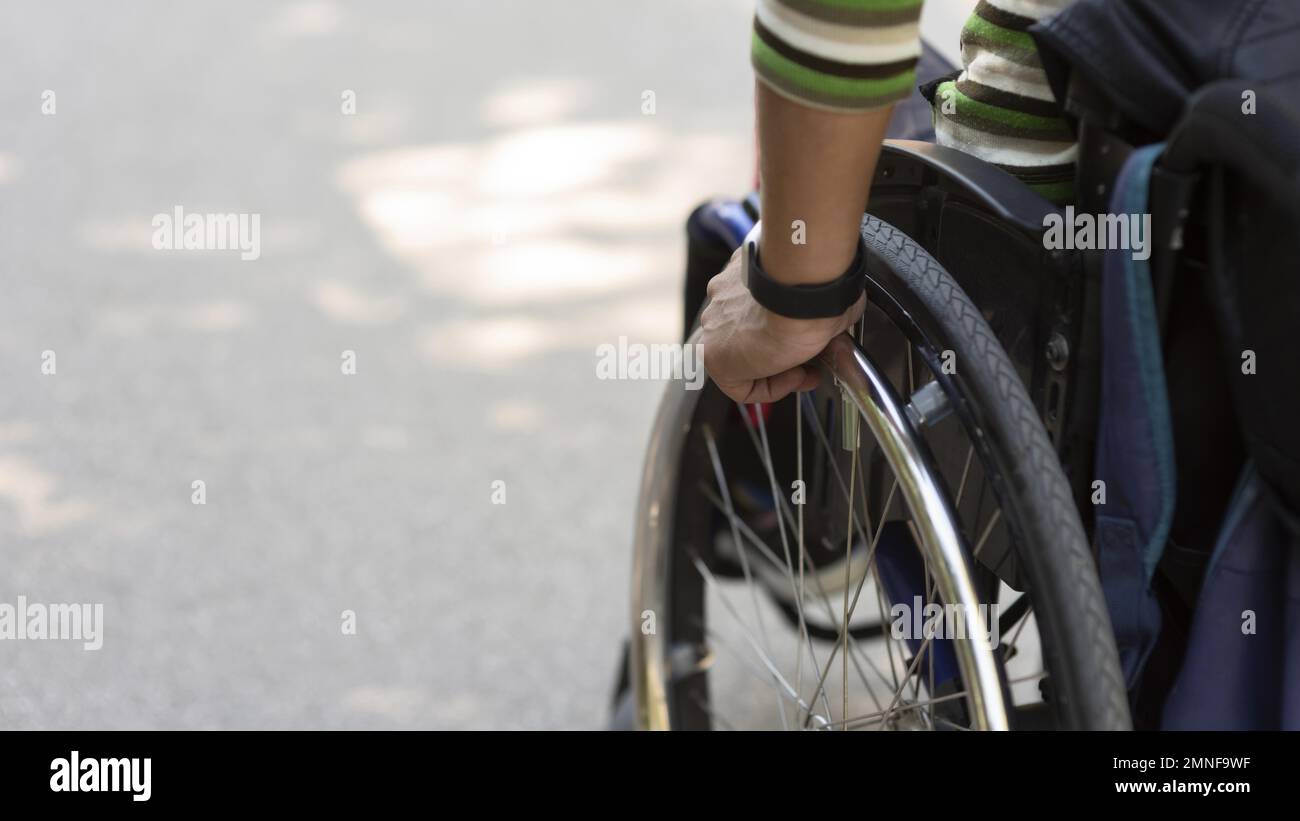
(819, 301)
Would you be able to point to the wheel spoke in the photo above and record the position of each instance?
(759, 674)
(787, 516)
(744, 559)
(879, 716)
(803, 557)
(988, 530)
(749, 637)
(766, 552)
(848, 582)
(871, 552)
(965, 471)
(796, 588)
(1011, 645)
(911, 670)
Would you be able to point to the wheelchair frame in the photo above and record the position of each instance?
(986, 228)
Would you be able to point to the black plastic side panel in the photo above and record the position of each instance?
(986, 227)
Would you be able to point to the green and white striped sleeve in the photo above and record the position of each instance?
(1001, 108)
(842, 55)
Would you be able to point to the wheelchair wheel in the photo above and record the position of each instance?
(896, 550)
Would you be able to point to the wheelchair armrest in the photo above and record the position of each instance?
(993, 189)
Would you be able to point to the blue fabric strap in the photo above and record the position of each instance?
(1135, 455)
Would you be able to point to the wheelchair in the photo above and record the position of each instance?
(782, 551)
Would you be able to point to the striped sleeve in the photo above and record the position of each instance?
(841, 55)
(1001, 108)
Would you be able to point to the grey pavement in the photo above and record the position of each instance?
(498, 206)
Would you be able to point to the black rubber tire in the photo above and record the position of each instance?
(1087, 685)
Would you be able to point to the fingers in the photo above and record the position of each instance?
(812, 378)
(773, 388)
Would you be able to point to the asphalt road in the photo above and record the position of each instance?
(499, 204)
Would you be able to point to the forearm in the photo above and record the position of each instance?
(816, 168)
(829, 72)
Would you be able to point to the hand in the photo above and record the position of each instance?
(754, 355)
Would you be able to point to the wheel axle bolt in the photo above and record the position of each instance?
(1058, 352)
